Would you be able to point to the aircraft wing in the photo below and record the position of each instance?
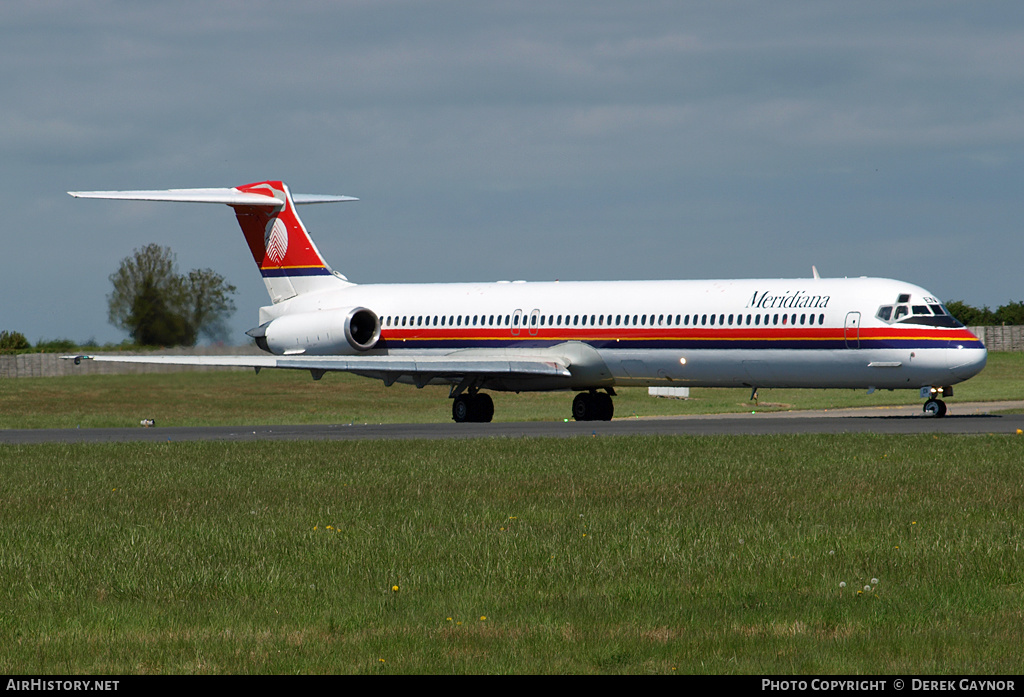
(421, 369)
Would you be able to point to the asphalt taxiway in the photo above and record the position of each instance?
(975, 418)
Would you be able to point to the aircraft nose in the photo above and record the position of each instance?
(965, 363)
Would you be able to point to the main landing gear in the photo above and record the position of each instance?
(593, 406)
(935, 407)
(477, 407)
(474, 408)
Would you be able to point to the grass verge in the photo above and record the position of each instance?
(291, 397)
(624, 555)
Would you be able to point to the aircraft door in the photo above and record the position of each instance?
(852, 331)
(534, 327)
(517, 319)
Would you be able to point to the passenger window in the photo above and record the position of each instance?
(757, 320)
(775, 320)
(821, 319)
(703, 320)
(730, 320)
(802, 318)
(712, 320)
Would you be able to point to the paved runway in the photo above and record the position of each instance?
(963, 418)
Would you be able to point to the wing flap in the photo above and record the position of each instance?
(436, 366)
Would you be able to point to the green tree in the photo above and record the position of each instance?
(160, 307)
(1011, 313)
(971, 316)
(13, 340)
(209, 303)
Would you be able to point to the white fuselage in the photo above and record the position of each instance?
(816, 333)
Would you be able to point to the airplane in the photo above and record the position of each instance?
(587, 337)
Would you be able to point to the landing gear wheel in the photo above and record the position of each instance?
(934, 408)
(581, 407)
(592, 406)
(461, 409)
(474, 408)
(484, 408)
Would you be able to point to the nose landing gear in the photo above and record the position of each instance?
(934, 407)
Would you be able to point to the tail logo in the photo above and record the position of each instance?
(276, 240)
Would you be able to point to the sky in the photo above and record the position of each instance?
(576, 140)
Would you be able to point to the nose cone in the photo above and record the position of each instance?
(965, 363)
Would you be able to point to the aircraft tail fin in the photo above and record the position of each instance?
(281, 246)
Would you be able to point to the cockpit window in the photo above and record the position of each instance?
(932, 315)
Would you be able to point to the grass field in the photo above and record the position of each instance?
(591, 555)
(615, 555)
(290, 397)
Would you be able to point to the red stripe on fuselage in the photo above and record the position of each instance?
(665, 333)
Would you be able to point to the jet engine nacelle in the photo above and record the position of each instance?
(342, 331)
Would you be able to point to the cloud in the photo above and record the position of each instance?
(502, 139)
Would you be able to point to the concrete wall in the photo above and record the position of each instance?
(47, 365)
(1001, 338)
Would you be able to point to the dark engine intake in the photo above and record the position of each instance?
(342, 331)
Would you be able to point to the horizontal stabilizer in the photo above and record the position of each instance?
(303, 199)
(231, 197)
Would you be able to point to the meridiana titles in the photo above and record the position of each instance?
(764, 300)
